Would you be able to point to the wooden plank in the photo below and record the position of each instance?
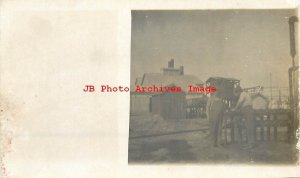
(268, 127)
(232, 129)
(261, 128)
(275, 127)
(225, 131)
(289, 129)
(255, 128)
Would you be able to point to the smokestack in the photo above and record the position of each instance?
(293, 88)
(171, 64)
(181, 70)
(292, 21)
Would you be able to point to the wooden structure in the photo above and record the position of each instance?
(196, 107)
(225, 87)
(170, 105)
(268, 125)
(143, 102)
(139, 103)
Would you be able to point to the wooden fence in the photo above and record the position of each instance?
(270, 125)
(195, 108)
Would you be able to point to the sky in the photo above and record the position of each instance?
(250, 45)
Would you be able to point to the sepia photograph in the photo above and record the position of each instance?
(185, 89)
(214, 86)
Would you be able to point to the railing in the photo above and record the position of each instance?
(195, 111)
(270, 125)
(195, 108)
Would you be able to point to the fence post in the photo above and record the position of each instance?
(275, 127)
(268, 126)
(262, 129)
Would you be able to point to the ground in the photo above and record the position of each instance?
(155, 140)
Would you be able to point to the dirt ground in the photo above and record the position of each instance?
(187, 141)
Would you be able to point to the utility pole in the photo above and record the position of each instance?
(292, 78)
(292, 21)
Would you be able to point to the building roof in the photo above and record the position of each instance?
(221, 78)
(157, 79)
(138, 80)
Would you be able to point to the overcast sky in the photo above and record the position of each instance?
(244, 44)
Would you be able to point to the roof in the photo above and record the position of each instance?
(221, 78)
(158, 79)
(138, 80)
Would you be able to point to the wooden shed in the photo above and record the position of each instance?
(139, 103)
(170, 105)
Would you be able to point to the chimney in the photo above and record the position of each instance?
(171, 64)
(181, 70)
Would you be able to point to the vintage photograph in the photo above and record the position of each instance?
(214, 86)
